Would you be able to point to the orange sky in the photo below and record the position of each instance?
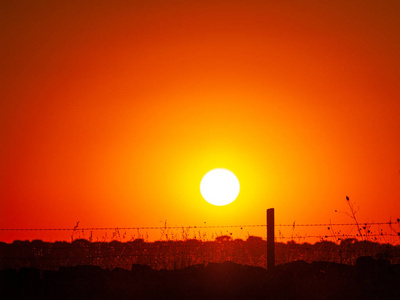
(111, 113)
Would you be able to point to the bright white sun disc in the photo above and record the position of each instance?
(219, 187)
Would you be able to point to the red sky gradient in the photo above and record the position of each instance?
(112, 111)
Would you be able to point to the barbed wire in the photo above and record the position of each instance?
(197, 227)
(338, 236)
(128, 228)
(336, 224)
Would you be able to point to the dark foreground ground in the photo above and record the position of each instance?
(367, 279)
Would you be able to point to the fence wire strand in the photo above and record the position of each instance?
(196, 227)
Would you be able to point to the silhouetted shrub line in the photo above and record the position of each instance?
(181, 254)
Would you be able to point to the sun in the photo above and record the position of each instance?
(219, 187)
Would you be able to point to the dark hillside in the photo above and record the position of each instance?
(367, 279)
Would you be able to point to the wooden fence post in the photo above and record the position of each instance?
(270, 239)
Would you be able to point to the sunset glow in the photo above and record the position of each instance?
(112, 113)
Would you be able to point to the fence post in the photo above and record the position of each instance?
(270, 239)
